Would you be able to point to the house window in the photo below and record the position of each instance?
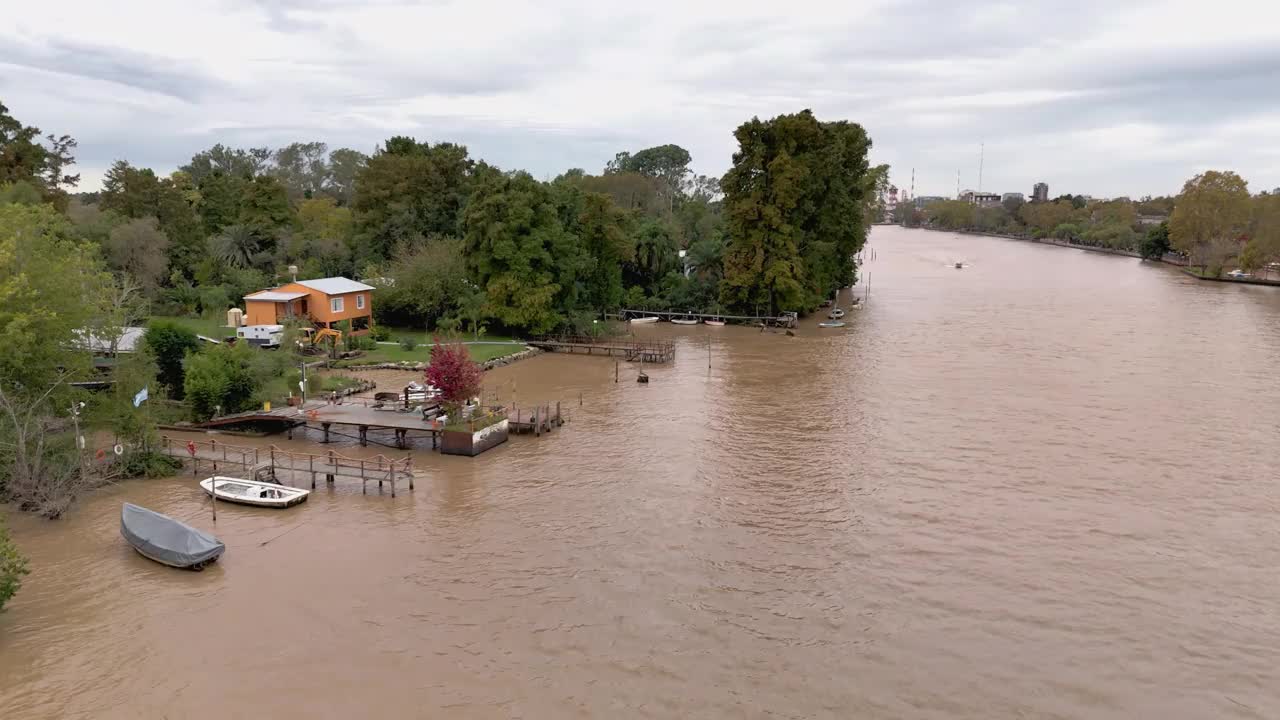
(360, 302)
(335, 305)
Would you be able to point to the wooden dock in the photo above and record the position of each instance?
(650, 352)
(786, 319)
(272, 462)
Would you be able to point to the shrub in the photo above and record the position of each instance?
(169, 344)
(380, 333)
(12, 566)
(148, 464)
(408, 343)
(454, 373)
(221, 377)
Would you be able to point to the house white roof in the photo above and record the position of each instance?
(127, 342)
(335, 285)
(274, 296)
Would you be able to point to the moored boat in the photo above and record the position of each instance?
(831, 324)
(684, 321)
(253, 492)
(836, 314)
(167, 541)
(643, 320)
(714, 322)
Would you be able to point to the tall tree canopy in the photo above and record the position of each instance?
(408, 191)
(1211, 214)
(794, 199)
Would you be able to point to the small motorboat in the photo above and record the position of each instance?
(714, 322)
(644, 320)
(959, 266)
(831, 324)
(684, 321)
(168, 541)
(642, 378)
(836, 314)
(253, 492)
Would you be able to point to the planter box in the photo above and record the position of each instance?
(461, 442)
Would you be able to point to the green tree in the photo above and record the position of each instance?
(265, 211)
(12, 566)
(409, 191)
(1156, 242)
(20, 193)
(221, 196)
(950, 214)
(223, 160)
(600, 227)
(511, 227)
(668, 164)
(345, 165)
(24, 159)
(51, 288)
(138, 248)
(795, 201)
(169, 343)
(302, 168)
(429, 280)
(322, 244)
(1211, 213)
(221, 379)
(237, 246)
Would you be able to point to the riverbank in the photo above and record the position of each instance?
(1046, 241)
(490, 364)
(1243, 281)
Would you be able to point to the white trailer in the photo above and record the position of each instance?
(267, 336)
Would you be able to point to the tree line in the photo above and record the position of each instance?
(453, 241)
(1213, 223)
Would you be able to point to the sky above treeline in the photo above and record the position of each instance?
(1099, 98)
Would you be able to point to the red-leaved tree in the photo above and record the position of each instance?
(454, 373)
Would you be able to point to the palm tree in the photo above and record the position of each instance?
(236, 246)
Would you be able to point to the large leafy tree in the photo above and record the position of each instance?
(407, 191)
(52, 289)
(169, 342)
(25, 159)
(344, 166)
(224, 160)
(302, 168)
(1211, 214)
(139, 249)
(794, 200)
(668, 164)
(604, 240)
(511, 227)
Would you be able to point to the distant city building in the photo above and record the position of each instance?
(1040, 193)
(923, 200)
(980, 199)
(1013, 196)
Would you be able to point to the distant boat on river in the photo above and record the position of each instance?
(644, 320)
(684, 321)
(831, 324)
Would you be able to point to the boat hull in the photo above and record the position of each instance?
(167, 541)
(643, 320)
(684, 322)
(290, 496)
(715, 323)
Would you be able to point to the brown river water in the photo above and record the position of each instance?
(1043, 486)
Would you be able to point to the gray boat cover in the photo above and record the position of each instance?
(166, 540)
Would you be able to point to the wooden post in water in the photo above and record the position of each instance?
(615, 371)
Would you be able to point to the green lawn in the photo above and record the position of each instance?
(424, 337)
(422, 354)
(209, 327)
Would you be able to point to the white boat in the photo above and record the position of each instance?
(252, 492)
(684, 321)
(643, 320)
(714, 322)
(831, 324)
(836, 314)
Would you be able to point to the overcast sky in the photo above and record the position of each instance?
(1102, 98)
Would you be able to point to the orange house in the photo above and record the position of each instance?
(324, 302)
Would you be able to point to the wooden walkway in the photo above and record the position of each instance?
(650, 352)
(272, 462)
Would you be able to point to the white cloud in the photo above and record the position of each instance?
(1095, 97)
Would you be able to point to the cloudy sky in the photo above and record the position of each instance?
(1102, 98)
